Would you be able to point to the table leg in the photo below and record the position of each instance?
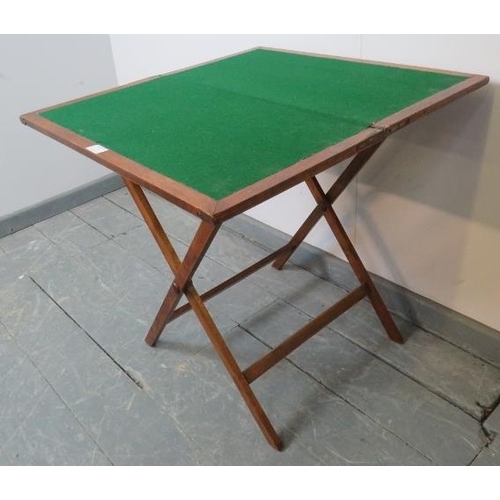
(354, 260)
(356, 164)
(183, 285)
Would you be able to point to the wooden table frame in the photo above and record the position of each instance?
(213, 213)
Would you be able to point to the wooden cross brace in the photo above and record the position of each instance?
(184, 270)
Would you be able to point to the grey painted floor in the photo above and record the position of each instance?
(79, 386)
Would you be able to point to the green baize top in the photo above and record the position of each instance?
(225, 125)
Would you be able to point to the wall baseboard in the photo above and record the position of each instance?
(466, 333)
(58, 204)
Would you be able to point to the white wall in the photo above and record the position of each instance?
(429, 203)
(38, 71)
(426, 211)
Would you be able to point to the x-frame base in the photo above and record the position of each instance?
(183, 285)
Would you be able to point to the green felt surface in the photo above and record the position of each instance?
(221, 127)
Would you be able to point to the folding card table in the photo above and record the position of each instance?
(222, 137)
